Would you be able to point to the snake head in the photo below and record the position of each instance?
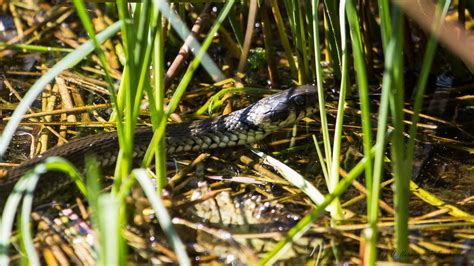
(284, 108)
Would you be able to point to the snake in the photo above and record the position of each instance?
(241, 127)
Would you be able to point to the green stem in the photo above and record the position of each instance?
(402, 176)
(319, 84)
(362, 84)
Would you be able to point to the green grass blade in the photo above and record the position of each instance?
(391, 80)
(362, 84)
(401, 175)
(25, 188)
(8, 216)
(319, 83)
(93, 194)
(380, 149)
(109, 230)
(336, 211)
(159, 96)
(34, 48)
(25, 225)
(385, 23)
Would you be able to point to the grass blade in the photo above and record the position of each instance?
(319, 83)
(25, 188)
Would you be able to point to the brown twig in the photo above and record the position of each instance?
(185, 48)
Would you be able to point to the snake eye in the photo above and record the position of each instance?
(299, 100)
(280, 113)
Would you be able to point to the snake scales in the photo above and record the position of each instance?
(237, 128)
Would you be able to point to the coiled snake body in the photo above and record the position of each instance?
(237, 128)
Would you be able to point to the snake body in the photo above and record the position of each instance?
(241, 127)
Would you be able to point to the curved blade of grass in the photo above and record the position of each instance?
(293, 177)
(27, 205)
(305, 223)
(67, 62)
(8, 215)
(25, 187)
(162, 215)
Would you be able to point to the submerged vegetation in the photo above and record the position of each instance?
(382, 173)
